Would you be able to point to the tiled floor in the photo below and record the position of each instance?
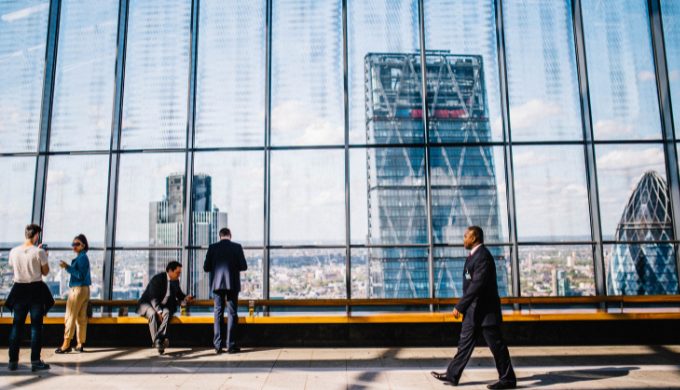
(629, 367)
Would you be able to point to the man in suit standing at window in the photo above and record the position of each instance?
(481, 310)
(225, 261)
(159, 302)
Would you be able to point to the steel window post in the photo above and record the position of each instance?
(664, 91)
(426, 122)
(267, 150)
(589, 148)
(40, 183)
(188, 258)
(114, 154)
(507, 148)
(345, 81)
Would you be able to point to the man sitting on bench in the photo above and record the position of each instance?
(159, 302)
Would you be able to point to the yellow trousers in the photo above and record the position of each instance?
(76, 314)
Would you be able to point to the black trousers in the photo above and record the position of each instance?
(157, 328)
(230, 300)
(466, 344)
(21, 310)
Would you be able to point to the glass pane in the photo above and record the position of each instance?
(134, 268)
(388, 196)
(634, 198)
(542, 79)
(76, 199)
(556, 270)
(397, 273)
(150, 200)
(307, 274)
(308, 197)
(83, 92)
(670, 10)
(23, 34)
(551, 193)
(57, 280)
(468, 188)
(621, 73)
(641, 269)
(251, 279)
(156, 74)
(230, 75)
(6, 275)
(307, 75)
(449, 265)
(16, 200)
(361, 273)
(384, 90)
(463, 91)
(229, 186)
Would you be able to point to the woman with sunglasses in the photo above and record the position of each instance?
(78, 297)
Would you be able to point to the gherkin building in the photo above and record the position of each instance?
(639, 268)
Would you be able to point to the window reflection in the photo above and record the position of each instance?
(551, 193)
(23, 33)
(230, 74)
(307, 73)
(393, 28)
(76, 199)
(83, 93)
(621, 72)
(307, 197)
(461, 27)
(156, 74)
(542, 80)
(15, 199)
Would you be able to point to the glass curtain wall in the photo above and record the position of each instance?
(347, 144)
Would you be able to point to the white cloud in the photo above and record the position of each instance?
(57, 178)
(529, 158)
(649, 158)
(23, 13)
(674, 75)
(298, 123)
(532, 113)
(645, 75)
(607, 128)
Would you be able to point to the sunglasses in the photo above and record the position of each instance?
(75, 244)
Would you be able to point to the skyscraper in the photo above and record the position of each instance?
(166, 220)
(463, 184)
(639, 268)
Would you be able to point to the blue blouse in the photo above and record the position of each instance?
(79, 270)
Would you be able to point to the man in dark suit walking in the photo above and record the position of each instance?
(225, 261)
(159, 302)
(481, 310)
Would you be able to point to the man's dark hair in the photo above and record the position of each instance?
(81, 237)
(478, 233)
(173, 265)
(32, 230)
(225, 232)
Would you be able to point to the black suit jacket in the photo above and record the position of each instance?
(155, 293)
(225, 260)
(480, 303)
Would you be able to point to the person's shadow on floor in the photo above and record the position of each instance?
(564, 377)
(573, 376)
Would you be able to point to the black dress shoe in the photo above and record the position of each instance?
(443, 377)
(502, 385)
(233, 350)
(219, 351)
(60, 351)
(79, 349)
(39, 365)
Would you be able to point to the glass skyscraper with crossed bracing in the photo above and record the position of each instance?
(464, 190)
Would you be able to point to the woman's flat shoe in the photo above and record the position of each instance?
(60, 351)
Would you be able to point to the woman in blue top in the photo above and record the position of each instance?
(78, 297)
